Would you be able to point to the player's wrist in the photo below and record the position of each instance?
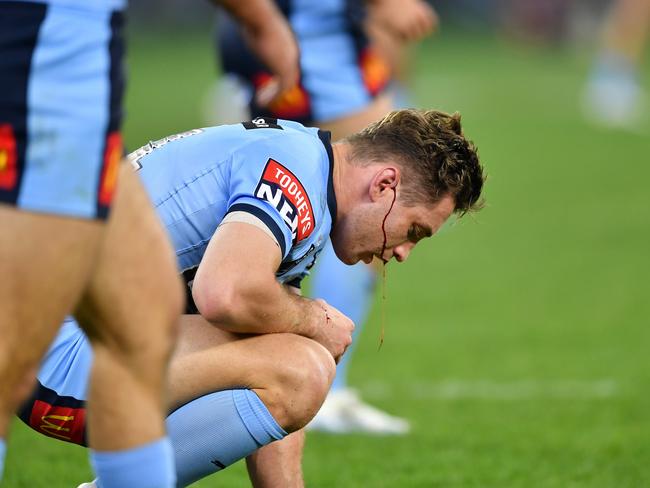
(313, 318)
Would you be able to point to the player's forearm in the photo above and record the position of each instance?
(251, 13)
(260, 306)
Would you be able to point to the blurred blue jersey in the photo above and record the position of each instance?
(276, 170)
(340, 71)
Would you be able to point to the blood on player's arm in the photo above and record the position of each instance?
(235, 289)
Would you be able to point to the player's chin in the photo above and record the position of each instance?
(367, 258)
(351, 259)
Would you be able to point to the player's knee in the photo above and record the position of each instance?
(304, 381)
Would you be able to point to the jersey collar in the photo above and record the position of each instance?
(325, 137)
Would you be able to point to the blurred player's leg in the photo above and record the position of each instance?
(45, 262)
(351, 290)
(129, 312)
(613, 96)
(61, 86)
(54, 174)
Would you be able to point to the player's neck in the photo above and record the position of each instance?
(348, 180)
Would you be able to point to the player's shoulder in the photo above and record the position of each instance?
(298, 148)
(286, 131)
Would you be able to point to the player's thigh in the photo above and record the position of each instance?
(45, 262)
(134, 296)
(209, 359)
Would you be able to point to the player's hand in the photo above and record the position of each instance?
(275, 45)
(335, 333)
(406, 20)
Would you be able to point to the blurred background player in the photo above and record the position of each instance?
(613, 96)
(61, 90)
(61, 86)
(344, 81)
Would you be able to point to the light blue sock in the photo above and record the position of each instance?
(216, 430)
(147, 466)
(3, 449)
(351, 290)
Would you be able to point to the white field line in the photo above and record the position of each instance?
(454, 389)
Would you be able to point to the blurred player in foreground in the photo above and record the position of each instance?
(343, 87)
(248, 208)
(61, 87)
(613, 96)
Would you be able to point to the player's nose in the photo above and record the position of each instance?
(402, 251)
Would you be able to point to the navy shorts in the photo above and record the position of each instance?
(61, 90)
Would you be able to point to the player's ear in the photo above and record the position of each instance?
(384, 180)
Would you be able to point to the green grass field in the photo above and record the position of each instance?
(515, 339)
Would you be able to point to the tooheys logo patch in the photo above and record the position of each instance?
(283, 190)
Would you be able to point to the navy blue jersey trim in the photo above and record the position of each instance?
(325, 137)
(20, 23)
(188, 278)
(116, 86)
(264, 217)
(296, 282)
(45, 394)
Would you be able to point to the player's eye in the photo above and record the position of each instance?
(412, 234)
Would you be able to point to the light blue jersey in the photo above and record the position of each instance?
(102, 5)
(277, 171)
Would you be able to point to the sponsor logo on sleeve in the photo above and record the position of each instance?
(282, 189)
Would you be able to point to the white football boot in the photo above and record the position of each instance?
(91, 484)
(344, 413)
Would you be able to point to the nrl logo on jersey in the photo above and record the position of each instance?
(283, 190)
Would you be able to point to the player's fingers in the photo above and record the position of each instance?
(430, 20)
(423, 25)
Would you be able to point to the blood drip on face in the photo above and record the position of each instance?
(383, 272)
